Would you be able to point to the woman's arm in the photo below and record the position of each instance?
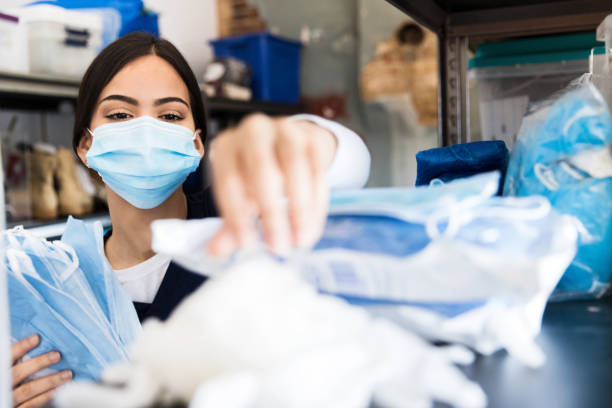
(35, 393)
(280, 171)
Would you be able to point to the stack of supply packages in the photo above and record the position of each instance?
(66, 292)
(564, 152)
(450, 262)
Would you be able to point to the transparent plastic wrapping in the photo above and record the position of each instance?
(564, 153)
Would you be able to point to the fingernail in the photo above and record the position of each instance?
(54, 357)
(66, 375)
(33, 339)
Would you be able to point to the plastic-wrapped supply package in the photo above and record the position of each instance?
(564, 153)
(259, 336)
(76, 308)
(450, 261)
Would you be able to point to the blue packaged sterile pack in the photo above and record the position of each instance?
(77, 308)
(461, 160)
(450, 261)
(563, 152)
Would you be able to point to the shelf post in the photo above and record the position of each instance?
(453, 97)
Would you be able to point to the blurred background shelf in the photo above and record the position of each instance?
(463, 24)
(41, 92)
(54, 229)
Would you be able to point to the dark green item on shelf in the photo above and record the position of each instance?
(536, 50)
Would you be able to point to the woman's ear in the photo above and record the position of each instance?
(83, 147)
(199, 145)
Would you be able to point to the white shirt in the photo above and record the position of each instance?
(350, 169)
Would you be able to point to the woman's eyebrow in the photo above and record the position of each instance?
(170, 99)
(123, 98)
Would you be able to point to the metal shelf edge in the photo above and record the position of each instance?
(56, 229)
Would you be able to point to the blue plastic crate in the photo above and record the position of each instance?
(275, 63)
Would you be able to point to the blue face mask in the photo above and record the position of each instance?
(144, 160)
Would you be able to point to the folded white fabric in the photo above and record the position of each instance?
(259, 336)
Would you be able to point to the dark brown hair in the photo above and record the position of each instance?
(116, 56)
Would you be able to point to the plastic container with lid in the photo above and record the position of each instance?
(13, 53)
(510, 75)
(60, 42)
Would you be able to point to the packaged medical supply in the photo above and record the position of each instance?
(449, 261)
(76, 308)
(259, 336)
(564, 153)
(461, 160)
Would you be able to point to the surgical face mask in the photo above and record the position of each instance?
(144, 160)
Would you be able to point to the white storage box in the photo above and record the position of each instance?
(511, 75)
(60, 42)
(13, 52)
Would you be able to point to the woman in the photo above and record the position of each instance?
(140, 122)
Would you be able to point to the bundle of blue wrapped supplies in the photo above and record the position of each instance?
(451, 260)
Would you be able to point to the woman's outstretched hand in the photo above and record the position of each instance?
(273, 170)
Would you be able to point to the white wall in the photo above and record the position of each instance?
(189, 25)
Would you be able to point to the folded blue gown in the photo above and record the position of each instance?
(462, 160)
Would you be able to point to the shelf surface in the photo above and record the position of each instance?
(54, 229)
(22, 91)
(506, 17)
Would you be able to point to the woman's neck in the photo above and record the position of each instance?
(130, 242)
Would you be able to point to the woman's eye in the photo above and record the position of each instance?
(119, 116)
(171, 117)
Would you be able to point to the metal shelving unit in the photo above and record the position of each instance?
(461, 24)
(44, 93)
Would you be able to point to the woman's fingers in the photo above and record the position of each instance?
(38, 401)
(292, 147)
(260, 166)
(264, 179)
(21, 348)
(37, 392)
(223, 243)
(320, 197)
(24, 370)
(229, 189)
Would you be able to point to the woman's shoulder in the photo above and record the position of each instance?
(201, 204)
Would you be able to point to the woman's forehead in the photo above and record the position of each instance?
(147, 78)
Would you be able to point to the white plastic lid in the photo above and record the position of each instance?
(49, 13)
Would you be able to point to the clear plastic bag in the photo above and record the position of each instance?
(563, 152)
